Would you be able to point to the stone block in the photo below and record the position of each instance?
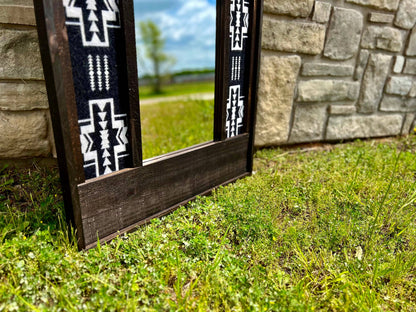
(277, 85)
(51, 137)
(362, 64)
(399, 85)
(412, 92)
(20, 54)
(342, 109)
(410, 104)
(23, 96)
(389, 5)
(408, 124)
(294, 37)
(392, 104)
(406, 15)
(322, 69)
(380, 18)
(23, 134)
(16, 14)
(398, 64)
(322, 12)
(344, 34)
(298, 8)
(384, 38)
(373, 82)
(410, 67)
(17, 2)
(411, 47)
(327, 91)
(309, 123)
(354, 127)
(397, 104)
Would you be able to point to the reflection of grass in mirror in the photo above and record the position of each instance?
(178, 89)
(170, 126)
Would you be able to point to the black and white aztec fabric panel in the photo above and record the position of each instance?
(94, 34)
(237, 84)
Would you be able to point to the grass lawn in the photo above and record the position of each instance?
(170, 126)
(146, 92)
(330, 230)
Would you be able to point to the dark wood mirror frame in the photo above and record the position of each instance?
(109, 205)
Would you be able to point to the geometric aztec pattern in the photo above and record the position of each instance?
(239, 27)
(94, 33)
(103, 127)
(91, 21)
(235, 111)
(239, 24)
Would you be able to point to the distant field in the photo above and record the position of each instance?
(146, 92)
(170, 126)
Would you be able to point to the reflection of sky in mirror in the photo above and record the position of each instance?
(189, 29)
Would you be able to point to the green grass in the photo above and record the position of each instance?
(169, 126)
(146, 92)
(330, 230)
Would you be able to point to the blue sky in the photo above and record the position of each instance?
(187, 25)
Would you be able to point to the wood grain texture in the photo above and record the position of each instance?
(255, 55)
(221, 69)
(115, 202)
(165, 212)
(54, 48)
(129, 85)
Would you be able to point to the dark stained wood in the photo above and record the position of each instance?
(221, 69)
(58, 76)
(114, 203)
(132, 85)
(255, 48)
(165, 212)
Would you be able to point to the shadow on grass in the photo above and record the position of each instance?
(30, 200)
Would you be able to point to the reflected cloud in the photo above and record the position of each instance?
(189, 29)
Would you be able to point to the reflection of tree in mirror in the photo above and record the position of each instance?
(154, 45)
(176, 56)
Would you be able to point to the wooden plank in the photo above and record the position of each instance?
(118, 201)
(54, 48)
(131, 87)
(221, 69)
(255, 54)
(134, 226)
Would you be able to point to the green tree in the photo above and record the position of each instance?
(154, 45)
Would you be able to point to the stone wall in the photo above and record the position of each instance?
(25, 129)
(336, 69)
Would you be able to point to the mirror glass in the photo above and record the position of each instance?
(176, 66)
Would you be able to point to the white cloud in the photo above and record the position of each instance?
(188, 26)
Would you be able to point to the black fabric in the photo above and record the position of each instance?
(98, 66)
(239, 60)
